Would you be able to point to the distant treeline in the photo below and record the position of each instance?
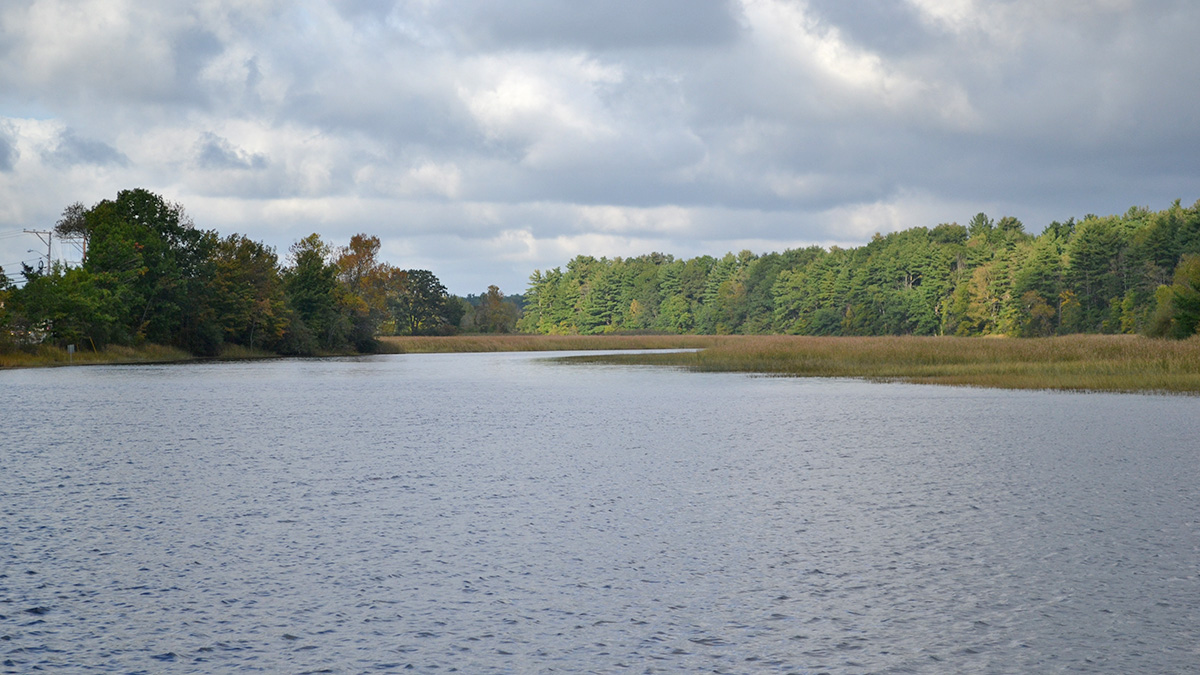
(150, 276)
(1135, 273)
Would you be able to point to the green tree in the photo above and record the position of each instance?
(675, 315)
(598, 306)
(980, 227)
(151, 246)
(1178, 312)
(311, 285)
(419, 302)
(1095, 269)
(7, 343)
(248, 294)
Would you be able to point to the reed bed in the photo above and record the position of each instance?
(1115, 363)
(48, 356)
(1112, 363)
(541, 343)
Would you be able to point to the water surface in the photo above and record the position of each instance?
(498, 513)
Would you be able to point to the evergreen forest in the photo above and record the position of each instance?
(1134, 273)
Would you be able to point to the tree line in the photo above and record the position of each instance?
(1134, 273)
(149, 275)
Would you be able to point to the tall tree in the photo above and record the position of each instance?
(364, 279)
(312, 289)
(419, 303)
(151, 246)
(495, 314)
(248, 294)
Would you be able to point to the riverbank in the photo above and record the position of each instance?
(1114, 363)
(544, 343)
(1111, 363)
(46, 356)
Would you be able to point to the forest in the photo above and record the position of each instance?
(1134, 273)
(149, 275)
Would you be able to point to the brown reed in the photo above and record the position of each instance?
(49, 356)
(1123, 363)
(540, 343)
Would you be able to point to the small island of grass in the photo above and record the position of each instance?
(1110, 363)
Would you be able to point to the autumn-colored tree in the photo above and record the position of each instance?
(495, 314)
(365, 280)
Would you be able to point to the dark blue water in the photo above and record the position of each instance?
(503, 514)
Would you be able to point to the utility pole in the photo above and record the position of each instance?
(47, 236)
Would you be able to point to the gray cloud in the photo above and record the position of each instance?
(486, 139)
(594, 24)
(216, 153)
(886, 26)
(8, 150)
(70, 149)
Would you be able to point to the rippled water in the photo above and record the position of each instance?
(504, 514)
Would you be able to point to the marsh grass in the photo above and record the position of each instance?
(541, 343)
(1117, 363)
(45, 356)
(1077, 362)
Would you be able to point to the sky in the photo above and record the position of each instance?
(483, 139)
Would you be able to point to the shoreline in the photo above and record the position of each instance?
(1100, 363)
(1093, 363)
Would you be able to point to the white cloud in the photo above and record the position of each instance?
(539, 104)
(849, 77)
(665, 220)
(483, 139)
(427, 179)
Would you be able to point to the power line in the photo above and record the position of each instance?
(47, 238)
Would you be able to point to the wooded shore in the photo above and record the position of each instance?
(1112, 363)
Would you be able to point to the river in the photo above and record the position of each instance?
(504, 513)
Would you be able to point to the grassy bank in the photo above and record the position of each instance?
(1118, 363)
(45, 355)
(542, 343)
(1077, 362)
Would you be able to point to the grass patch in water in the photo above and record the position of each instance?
(1116, 363)
(541, 343)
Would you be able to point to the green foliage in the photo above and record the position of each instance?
(248, 294)
(419, 303)
(67, 306)
(149, 276)
(150, 248)
(1177, 314)
(313, 291)
(987, 278)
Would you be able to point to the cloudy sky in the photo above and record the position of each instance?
(483, 139)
